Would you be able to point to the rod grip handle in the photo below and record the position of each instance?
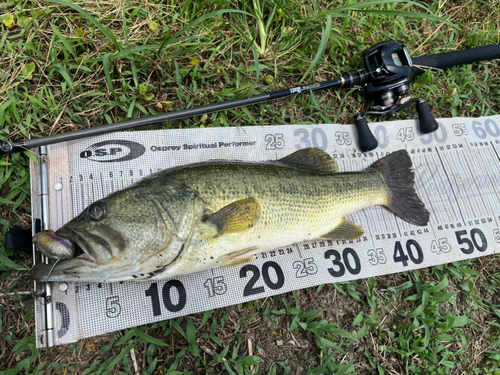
(448, 59)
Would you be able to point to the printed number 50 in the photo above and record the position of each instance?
(477, 240)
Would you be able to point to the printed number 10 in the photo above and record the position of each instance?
(167, 297)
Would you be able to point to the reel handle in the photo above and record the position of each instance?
(366, 139)
(428, 123)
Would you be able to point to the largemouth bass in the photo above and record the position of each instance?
(216, 214)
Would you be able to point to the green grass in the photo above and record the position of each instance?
(66, 66)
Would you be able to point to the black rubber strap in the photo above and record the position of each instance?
(445, 60)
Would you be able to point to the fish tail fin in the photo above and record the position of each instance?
(397, 172)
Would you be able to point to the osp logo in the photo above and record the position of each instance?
(113, 151)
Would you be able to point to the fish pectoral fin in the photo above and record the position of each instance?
(239, 260)
(346, 230)
(312, 160)
(237, 257)
(236, 217)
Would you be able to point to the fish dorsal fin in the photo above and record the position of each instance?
(346, 230)
(311, 159)
(236, 217)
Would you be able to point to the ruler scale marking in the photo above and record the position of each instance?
(495, 171)
(462, 196)
(428, 201)
(452, 189)
(470, 195)
(479, 164)
(443, 201)
(492, 196)
(455, 179)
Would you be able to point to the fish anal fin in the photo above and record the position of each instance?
(236, 217)
(345, 230)
(311, 159)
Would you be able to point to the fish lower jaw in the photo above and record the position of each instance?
(85, 253)
(184, 268)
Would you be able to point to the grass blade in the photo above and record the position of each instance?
(325, 37)
(105, 65)
(91, 19)
(362, 6)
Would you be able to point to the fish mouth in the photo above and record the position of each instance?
(90, 265)
(92, 247)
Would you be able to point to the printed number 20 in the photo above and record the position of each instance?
(250, 289)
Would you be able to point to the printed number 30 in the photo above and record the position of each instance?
(317, 138)
(342, 262)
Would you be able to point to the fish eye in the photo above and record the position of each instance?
(97, 211)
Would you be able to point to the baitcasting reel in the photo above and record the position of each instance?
(386, 79)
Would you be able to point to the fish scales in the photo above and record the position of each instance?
(290, 199)
(216, 214)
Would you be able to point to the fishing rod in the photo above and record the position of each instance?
(385, 80)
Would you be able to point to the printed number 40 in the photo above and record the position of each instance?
(413, 252)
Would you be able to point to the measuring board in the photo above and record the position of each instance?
(457, 177)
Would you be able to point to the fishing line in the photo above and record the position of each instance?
(52, 269)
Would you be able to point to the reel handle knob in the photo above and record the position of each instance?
(428, 123)
(367, 141)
